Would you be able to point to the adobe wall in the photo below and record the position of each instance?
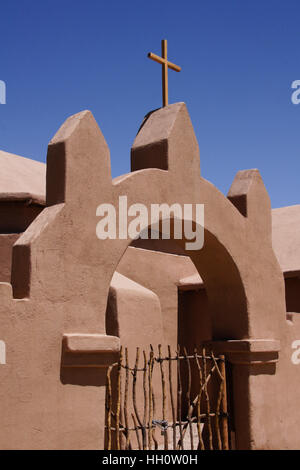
(6, 243)
(133, 308)
(53, 316)
(272, 389)
(160, 273)
(17, 212)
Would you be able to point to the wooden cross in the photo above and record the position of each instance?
(165, 65)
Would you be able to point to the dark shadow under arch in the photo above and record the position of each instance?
(224, 287)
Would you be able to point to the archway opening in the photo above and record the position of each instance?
(163, 294)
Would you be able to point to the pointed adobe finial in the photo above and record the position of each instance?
(166, 140)
(78, 160)
(249, 195)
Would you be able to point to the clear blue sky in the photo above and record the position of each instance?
(238, 61)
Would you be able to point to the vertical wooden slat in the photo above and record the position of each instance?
(153, 394)
(150, 401)
(136, 431)
(199, 401)
(172, 398)
(153, 402)
(207, 400)
(109, 406)
(164, 397)
(134, 381)
(145, 398)
(118, 400)
(224, 427)
(188, 397)
(217, 420)
(126, 400)
(179, 397)
(220, 394)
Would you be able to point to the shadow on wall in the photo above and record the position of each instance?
(292, 297)
(85, 368)
(194, 320)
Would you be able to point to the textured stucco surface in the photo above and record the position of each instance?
(286, 237)
(64, 282)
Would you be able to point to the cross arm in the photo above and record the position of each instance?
(162, 61)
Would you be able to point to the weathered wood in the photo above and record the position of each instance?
(150, 401)
(126, 400)
(109, 406)
(188, 397)
(207, 401)
(118, 401)
(136, 431)
(224, 427)
(164, 396)
(180, 444)
(172, 399)
(152, 417)
(145, 397)
(199, 402)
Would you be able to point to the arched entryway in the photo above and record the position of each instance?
(146, 306)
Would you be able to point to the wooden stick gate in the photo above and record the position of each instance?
(141, 400)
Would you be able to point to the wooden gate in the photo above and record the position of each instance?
(167, 401)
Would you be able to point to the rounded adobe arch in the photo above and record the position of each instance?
(223, 283)
(252, 300)
(252, 304)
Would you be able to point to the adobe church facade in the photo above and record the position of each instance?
(69, 300)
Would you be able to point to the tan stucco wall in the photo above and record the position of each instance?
(6, 243)
(61, 277)
(159, 272)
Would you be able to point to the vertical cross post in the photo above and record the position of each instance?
(164, 54)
